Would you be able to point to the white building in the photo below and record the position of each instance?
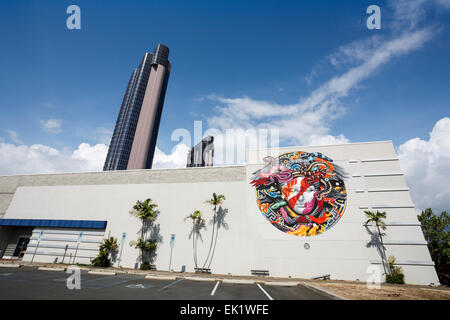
(98, 204)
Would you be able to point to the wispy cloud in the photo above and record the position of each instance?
(409, 13)
(14, 136)
(310, 120)
(444, 3)
(51, 125)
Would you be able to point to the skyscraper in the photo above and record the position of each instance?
(144, 143)
(134, 139)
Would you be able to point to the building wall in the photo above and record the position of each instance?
(248, 241)
(64, 245)
(375, 182)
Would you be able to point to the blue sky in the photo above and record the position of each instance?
(226, 56)
(263, 50)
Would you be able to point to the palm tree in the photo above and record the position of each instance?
(197, 223)
(144, 245)
(215, 201)
(109, 244)
(146, 212)
(107, 247)
(220, 219)
(377, 218)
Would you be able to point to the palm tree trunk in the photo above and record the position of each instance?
(142, 240)
(383, 258)
(193, 248)
(196, 232)
(212, 238)
(214, 248)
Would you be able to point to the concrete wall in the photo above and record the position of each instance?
(249, 241)
(9, 184)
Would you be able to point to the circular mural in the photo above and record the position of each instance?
(301, 193)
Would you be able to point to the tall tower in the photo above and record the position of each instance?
(144, 143)
(122, 139)
(138, 90)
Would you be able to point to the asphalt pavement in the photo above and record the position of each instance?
(29, 283)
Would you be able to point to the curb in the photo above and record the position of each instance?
(238, 281)
(7, 265)
(281, 284)
(102, 273)
(81, 268)
(51, 269)
(140, 273)
(160, 277)
(200, 279)
(323, 291)
(122, 272)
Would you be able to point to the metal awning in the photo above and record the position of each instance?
(88, 224)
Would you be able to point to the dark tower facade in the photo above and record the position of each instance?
(144, 143)
(202, 154)
(137, 95)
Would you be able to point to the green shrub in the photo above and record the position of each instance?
(396, 273)
(107, 247)
(398, 278)
(109, 244)
(145, 266)
(102, 260)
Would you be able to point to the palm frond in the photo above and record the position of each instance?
(217, 199)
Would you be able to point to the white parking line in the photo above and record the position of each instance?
(215, 288)
(139, 286)
(270, 298)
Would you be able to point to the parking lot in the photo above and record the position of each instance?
(31, 283)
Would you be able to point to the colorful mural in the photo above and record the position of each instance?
(301, 193)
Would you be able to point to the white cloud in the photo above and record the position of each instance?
(309, 121)
(426, 164)
(408, 13)
(14, 136)
(176, 159)
(38, 158)
(52, 125)
(309, 78)
(92, 156)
